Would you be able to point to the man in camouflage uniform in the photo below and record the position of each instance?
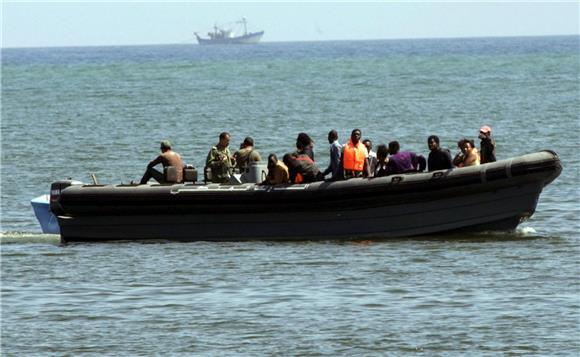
(219, 160)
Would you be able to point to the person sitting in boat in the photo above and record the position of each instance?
(335, 149)
(401, 162)
(167, 158)
(277, 172)
(487, 145)
(468, 156)
(439, 159)
(302, 169)
(219, 160)
(304, 145)
(246, 154)
(382, 160)
(354, 157)
(372, 158)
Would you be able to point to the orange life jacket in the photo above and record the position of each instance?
(299, 178)
(354, 156)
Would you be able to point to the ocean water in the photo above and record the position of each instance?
(70, 112)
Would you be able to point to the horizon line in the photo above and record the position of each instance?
(193, 42)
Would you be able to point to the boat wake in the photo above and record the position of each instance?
(526, 231)
(28, 237)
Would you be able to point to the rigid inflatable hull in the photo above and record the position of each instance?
(495, 196)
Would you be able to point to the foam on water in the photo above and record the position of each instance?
(27, 237)
(526, 231)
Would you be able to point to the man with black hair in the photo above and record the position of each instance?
(219, 160)
(334, 164)
(439, 159)
(354, 157)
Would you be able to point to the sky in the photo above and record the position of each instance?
(99, 23)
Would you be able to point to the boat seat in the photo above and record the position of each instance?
(170, 173)
(189, 174)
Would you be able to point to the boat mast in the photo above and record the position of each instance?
(245, 28)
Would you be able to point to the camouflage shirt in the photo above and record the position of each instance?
(219, 160)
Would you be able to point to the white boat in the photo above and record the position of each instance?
(47, 220)
(221, 36)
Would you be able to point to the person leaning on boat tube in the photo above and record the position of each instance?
(167, 158)
(277, 172)
(219, 161)
(468, 156)
(354, 157)
(401, 162)
(302, 169)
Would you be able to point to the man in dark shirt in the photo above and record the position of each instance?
(439, 159)
(335, 149)
(167, 158)
(487, 148)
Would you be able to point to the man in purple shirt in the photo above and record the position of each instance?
(401, 162)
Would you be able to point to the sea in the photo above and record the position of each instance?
(76, 111)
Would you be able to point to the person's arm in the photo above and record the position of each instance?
(470, 158)
(335, 161)
(334, 164)
(367, 168)
(459, 160)
(422, 163)
(209, 159)
(447, 159)
(156, 161)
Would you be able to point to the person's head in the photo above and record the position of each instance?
(272, 160)
(303, 141)
(433, 142)
(248, 141)
(355, 136)
(224, 139)
(165, 145)
(332, 136)
(394, 147)
(368, 143)
(467, 146)
(382, 153)
(485, 132)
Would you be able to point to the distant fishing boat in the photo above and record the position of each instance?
(221, 36)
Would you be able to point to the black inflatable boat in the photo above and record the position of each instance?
(495, 196)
